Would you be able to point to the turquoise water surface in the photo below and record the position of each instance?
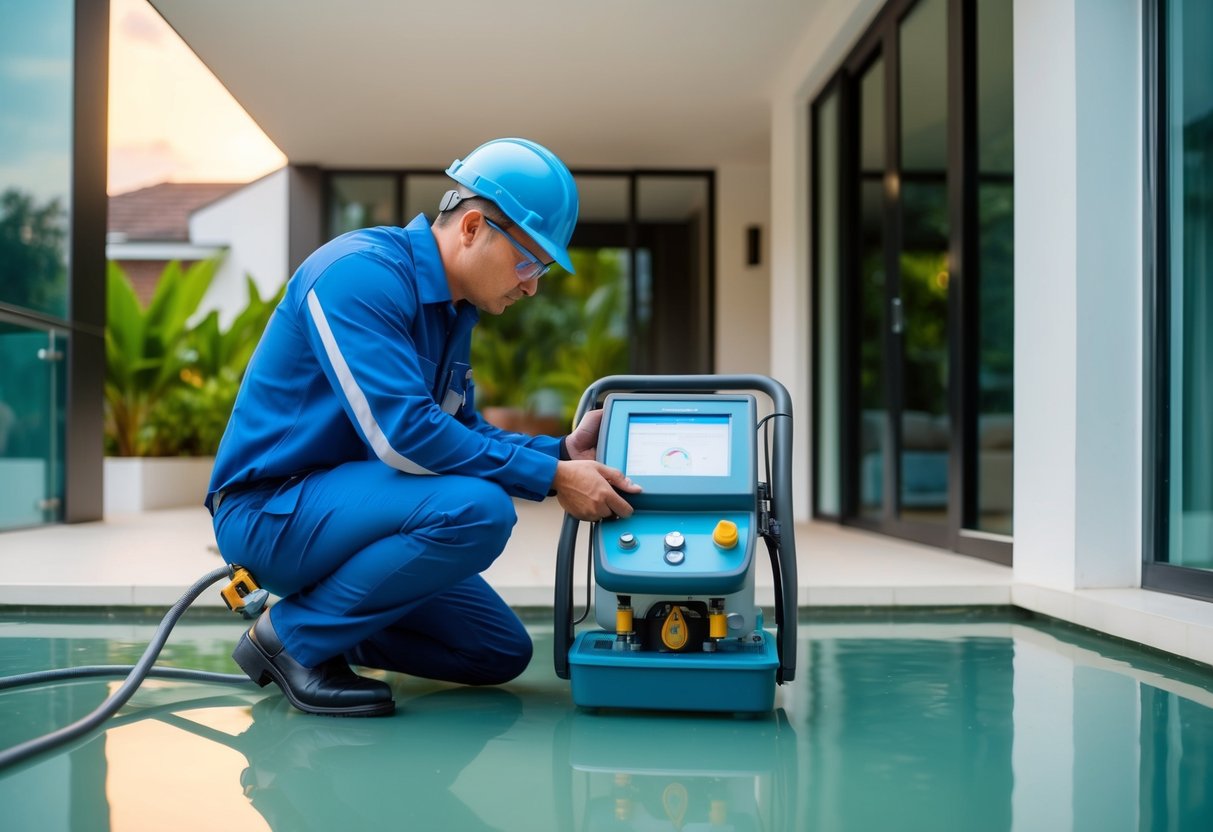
(956, 720)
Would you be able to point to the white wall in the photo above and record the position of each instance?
(825, 43)
(252, 223)
(743, 293)
(1078, 288)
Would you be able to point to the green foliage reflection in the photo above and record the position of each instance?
(33, 246)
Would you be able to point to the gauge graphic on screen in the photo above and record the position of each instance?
(676, 459)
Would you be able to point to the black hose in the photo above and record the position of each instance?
(92, 671)
(140, 670)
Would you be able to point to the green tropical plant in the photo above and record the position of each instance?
(191, 418)
(544, 351)
(145, 349)
(598, 348)
(170, 386)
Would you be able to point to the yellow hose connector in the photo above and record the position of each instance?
(717, 625)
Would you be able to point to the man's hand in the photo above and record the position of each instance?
(587, 489)
(582, 443)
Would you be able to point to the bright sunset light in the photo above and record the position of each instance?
(169, 118)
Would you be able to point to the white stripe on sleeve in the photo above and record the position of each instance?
(355, 396)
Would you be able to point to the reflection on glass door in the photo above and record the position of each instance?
(924, 423)
(872, 430)
(1189, 163)
(31, 427)
(992, 489)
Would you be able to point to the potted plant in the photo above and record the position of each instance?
(170, 386)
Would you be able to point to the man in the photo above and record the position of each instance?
(355, 479)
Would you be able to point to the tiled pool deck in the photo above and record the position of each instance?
(146, 560)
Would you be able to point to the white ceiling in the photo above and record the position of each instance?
(604, 83)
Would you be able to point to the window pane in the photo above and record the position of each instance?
(362, 201)
(423, 192)
(925, 428)
(31, 426)
(995, 83)
(672, 286)
(873, 437)
(871, 119)
(1189, 82)
(925, 420)
(603, 199)
(825, 212)
(36, 59)
(924, 87)
(995, 271)
(996, 359)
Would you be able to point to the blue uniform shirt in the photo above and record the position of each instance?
(366, 357)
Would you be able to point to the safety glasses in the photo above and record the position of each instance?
(529, 269)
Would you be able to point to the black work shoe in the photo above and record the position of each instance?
(330, 688)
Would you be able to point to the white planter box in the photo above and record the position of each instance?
(134, 483)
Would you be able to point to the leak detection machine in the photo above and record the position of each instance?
(677, 623)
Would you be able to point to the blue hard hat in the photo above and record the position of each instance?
(530, 185)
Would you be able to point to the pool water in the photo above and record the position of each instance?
(955, 720)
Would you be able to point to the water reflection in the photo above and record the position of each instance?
(898, 724)
(654, 772)
(305, 773)
(1021, 725)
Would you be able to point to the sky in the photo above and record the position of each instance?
(35, 99)
(170, 120)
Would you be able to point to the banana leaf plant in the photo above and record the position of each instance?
(170, 386)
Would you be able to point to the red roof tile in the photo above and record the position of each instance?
(162, 212)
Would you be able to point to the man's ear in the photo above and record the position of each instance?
(470, 223)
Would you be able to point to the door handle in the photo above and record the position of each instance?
(896, 317)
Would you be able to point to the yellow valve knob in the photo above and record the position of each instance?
(725, 535)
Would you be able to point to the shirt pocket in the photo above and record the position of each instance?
(457, 394)
(429, 370)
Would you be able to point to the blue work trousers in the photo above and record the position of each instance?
(382, 567)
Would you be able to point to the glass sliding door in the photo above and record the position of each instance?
(1190, 184)
(1183, 441)
(673, 288)
(924, 295)
(641, 300)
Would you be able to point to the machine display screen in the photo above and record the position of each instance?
(679, 446)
